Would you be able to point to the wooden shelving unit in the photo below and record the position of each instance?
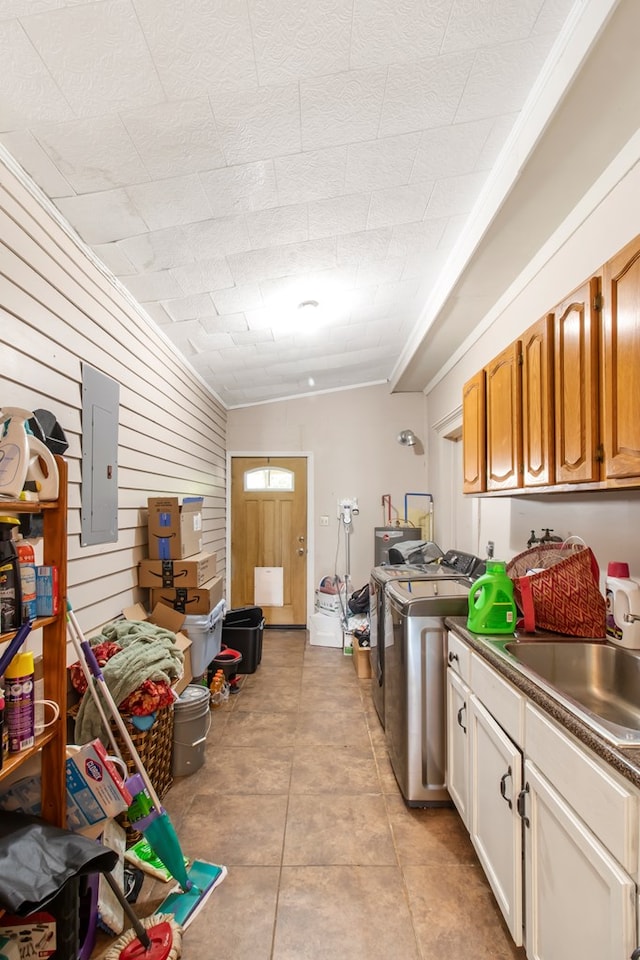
(52, 744)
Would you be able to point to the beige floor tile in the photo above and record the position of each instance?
(235, 830)
(270, 699)
(428, 836)
(343, 913)
(248, 770)
(339, 829)
(327, 769)
(334, 728)
(455, 914)
(247, 728)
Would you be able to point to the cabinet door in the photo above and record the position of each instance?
(580, 902)
(504, 414)
(458, 743)
(576, 385)
(474, 435)
(538, 441)
(621, 363)
(496, 828)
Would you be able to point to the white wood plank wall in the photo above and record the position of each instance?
(58, 309)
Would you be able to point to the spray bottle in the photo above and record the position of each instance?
(14, 451)
(10, 580)
(19, 702)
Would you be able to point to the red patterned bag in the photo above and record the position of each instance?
(564, 594)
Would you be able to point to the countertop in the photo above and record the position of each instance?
(626, 760)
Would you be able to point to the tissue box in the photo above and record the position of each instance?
(47, 592)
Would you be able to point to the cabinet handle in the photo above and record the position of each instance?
(453, 657)
(503, 787)
(522, 796)
(460, 712)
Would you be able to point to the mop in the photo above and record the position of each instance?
(195, 885)
(157, 937)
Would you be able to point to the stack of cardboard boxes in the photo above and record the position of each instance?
(180, 576)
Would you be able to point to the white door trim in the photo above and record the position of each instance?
(308, 455)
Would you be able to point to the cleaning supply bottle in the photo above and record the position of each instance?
(14, 451)
(10, 581)
(492, 608)
(27, 562)
(19, 702)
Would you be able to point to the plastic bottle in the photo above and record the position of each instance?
(19, 705)
(14, 451)
(27, 561)
(492, 608)
(2, 729)
(10, 581)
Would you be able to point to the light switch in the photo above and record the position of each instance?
(324, 521)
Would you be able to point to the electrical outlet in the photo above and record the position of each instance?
(324, 521)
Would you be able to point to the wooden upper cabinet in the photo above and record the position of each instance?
(474, 435)
(538, 451)
(621, 413)
(504, 414)
(576, 385)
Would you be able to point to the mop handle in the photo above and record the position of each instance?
(91, 688)
(93, 664)
(140, 931)
(14, 645)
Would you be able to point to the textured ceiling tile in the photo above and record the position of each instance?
(217, 238)
(316, 175)
(293, 39)
(22, 8)
(157, 313)
(229, 323)
(477, 23)
(407, 238)
(279, 225)
(196, 44)
(342, 108)
(170, 203)
(28, 93)
(94, 154)
(257, 124)
(293, 258)
(158, 249)
(236, 299)
(328, 218)
(381, 163)
(424, 94)
(251, 186)
(203, 277)
(203, 342)
(501, 79)
(251, 336)
(358, 247)
(175, 138)
(153, 286)
(398, 205)
(381, 271)
(449, 151)
(454, 195)
(114, 258)
(102, 217)
(552, 16)
(23, 146)
(102, 43)
(397, 32)
(496, 140)
(189, 308)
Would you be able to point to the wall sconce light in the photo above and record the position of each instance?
(407, 438)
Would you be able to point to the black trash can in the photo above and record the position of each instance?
(242, 630)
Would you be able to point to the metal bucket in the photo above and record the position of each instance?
(191, 722)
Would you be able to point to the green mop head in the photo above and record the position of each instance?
(186, 904)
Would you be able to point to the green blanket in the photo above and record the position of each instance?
(148, 653)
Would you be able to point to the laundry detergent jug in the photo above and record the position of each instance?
(492, 608)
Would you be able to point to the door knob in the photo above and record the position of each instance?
(300, 539)
(301, 551)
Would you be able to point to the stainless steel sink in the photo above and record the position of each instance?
(598, 681)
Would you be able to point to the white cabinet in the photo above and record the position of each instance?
(580, 902)
(495, 781)
(457, 743)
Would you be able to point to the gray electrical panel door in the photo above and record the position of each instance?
(100, 401)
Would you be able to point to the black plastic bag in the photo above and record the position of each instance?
(359, 600)
(36, 860)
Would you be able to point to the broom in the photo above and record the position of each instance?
(157, 937)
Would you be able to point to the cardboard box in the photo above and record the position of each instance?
(331, 602)
(361, 661)
(95, 790)
(32, 936)
(175, 529)
(177, 573)
(170, 619)
(189, 600)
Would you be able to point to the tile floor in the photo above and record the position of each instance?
(325, 861)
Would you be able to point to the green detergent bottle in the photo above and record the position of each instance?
(492, 608)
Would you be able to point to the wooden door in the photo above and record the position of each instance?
(621, 290)
(269, 536)
(537, 404)
(474, 435)
(504, 414)
(576, 385)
